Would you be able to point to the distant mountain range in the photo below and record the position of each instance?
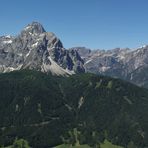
(127, 64)
(34, 48)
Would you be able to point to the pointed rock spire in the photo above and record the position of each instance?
(33, 28)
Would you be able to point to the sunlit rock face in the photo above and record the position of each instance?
(34, 48)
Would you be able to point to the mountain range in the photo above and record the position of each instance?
(57, 97)
(127, 64)
(34, 48)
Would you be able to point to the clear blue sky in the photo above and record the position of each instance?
(92, 23)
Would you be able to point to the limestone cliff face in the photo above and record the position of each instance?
(34, 48)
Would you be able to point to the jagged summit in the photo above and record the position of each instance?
(34, 48)
(34, 28)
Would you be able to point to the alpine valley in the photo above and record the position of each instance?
(52, 97)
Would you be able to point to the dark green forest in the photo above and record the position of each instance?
(49, 110)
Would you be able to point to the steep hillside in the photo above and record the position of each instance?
(48, 110)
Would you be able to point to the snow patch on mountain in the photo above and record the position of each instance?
(104, 68)
(88, 61)
(7, 42)
(35, 44)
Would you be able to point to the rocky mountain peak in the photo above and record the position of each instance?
(34, 28)
(34, 48)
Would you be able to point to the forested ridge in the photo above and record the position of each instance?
(80, 109)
